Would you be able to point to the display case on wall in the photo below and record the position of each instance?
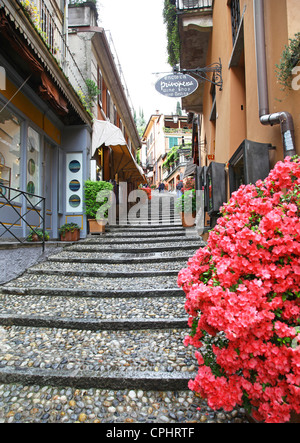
(249, 164)
(201, 182)
(215, 187)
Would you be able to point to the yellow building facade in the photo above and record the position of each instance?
(241, 106)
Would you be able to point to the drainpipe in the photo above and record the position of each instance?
(284, 119)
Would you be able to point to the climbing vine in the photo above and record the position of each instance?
(171, 20)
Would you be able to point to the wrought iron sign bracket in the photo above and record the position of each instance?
(203, 73)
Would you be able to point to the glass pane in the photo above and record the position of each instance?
(10, 151)
(33, 163)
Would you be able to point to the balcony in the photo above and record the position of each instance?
(193, 4)
(38, 36)
(195, 19)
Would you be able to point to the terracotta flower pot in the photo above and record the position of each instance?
(188, 219)
(96, 227)
(71, 236)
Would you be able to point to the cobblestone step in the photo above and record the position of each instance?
(73, 292)
(93, 309)
(100, 274)
(121, 259)
(103, 359)
(132, 240)
(127, 284)
(110, 269)
(147, 228)
(134, 247)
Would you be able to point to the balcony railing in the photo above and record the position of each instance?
(182, 5)
(52, 31)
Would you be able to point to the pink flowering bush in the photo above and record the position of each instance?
(243, 300)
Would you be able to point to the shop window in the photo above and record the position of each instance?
(33, 164)
(249, 164)
(10, 153)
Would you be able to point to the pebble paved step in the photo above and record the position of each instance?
(134, 247)
(86, 293)
(92, 313)
(118, 259)
(113, 269)
(147, 228)
(105, 359)
(129, 241)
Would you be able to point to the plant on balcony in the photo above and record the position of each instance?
(172, 157)
(243, 299)
(92, 92)
(289, 59)
(87, 99)
(32, 13)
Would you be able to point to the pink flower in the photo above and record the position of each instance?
(243, 291)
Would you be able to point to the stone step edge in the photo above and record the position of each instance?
(102, 274)
(133, 324)
(125, 240)
(145, 227)
(147, 381)
(135, 250)
(125, 260)
(92, 293)
(141, 235)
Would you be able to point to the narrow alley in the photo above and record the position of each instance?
(95, 334)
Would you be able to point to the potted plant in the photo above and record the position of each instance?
(37, 235)
(148, 192)
(93, 203)
(243, 301)
(69, 232)
(186, 206)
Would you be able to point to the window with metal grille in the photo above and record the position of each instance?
(235, 18)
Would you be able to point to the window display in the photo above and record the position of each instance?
(10, 152)
(33, 163)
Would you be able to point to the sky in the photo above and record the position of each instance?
(139, 36)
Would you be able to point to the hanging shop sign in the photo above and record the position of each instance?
(176, 85)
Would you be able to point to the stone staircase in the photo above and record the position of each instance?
(104, 316)
(105, 313)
